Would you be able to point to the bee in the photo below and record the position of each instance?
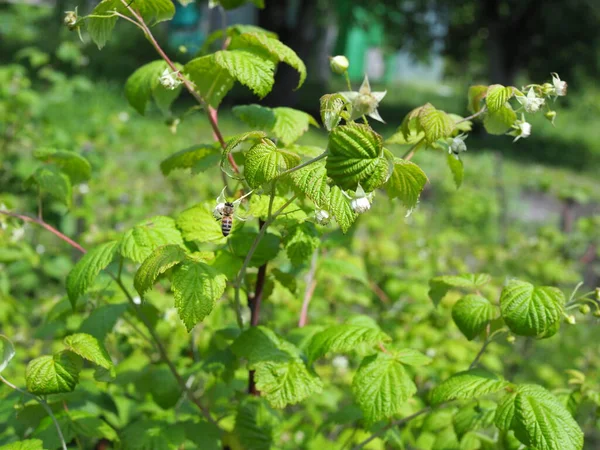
(225, 212)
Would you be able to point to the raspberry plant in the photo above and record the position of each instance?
(257, 379)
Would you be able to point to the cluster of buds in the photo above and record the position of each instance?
(457, 145)
(169, 80)
(71, 20)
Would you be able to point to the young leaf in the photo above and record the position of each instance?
(406, 183)
(198, 224)
(211, 80)
(196, 287)
(471, 314)
(7, 352)
(234, 142)
(341, 209)
(435, 123)
(497, 96)
(278, 51)
(144, 82)
(381, 386)
(356, 156)
(87, 269)
(301, 242)
(265, 162)
(411, 357)
(90, 348)
(456, 167)
(312, 182)
(140, 241)
(476, 95)
(77, 168)
(439, 286)
(468, 384)
(500, 121)
(344, 339)
(249, 68)
(198, 158)
(333, 107)
(539, 420)
(53, 374)
(27, 444)
(529, 310)
(50, 180)
(159, 261)
(256, 424)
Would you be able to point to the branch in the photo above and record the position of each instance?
(488, 340)
(311, 284)
(44, 404)
(304, 164)
(411, 151)
(472, 116)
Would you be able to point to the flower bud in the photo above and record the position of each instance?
(360, 205)
(570, 319)
(598, 294)
(339, 64)
(550, 115)
(560, 86)
(322, 217)
(70, 20)
(547, 89)
(584, 309)
(169, 80)
(457, 144)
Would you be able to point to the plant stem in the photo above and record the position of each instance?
(488, 340)
(240, 277)
(187, 83)
(412, 150)
(311, 284)
(44, 404)
(472, 116)
(304, 164)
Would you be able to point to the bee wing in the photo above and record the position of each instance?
(221, 198)
(244, 218)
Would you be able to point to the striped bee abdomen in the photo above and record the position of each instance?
(226, 224)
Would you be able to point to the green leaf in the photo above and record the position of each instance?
(291, 123)
(159, 261)
(142, 85)
(140, 241)
(312, 182)
(102, 320)
(341, 209)
(153, 435)
(476, 95)
(255, 116)
(344, 339)
(87, 269)
(77, 168)
(212, 81)
(27, 444)
(406, 183)
(50, 180)
(411, 357)
(356, 156)
(53, 374)
(333, 107)
(265, 162)
(162, 386)
(301, 242)
(439, 286)
(471, 314)
(235, 141)
(256, 424)
(500, 121)
(267, 249)
(198, 224)
(259, 344)
(529, 310)
(247, 67)
(456, 167)
(7, 352)
(90, 348)
(505, 412)
(539, 420)
(196, 287)
(152, 11)
(381, 386)
(497, 96)
(468, 384)
(278, 51)
(198, 158)
(472, 418)
(435, 123)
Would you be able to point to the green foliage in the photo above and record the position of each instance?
(196, 287)
(82, 276)
(499, 121)
(7, 352)
(301, 243)
(256, 424)
(265, 162)
(457, 168)
(198, 158)
(433, 123)
(471, 314)
(333, 110)
(144, 84)
(472, 383)
(198, 224)
(312, 182)
(530, 310)
(340, 208)
(53, 374)
(439, 286)
(28, 444)
(497, 96)
(76, 167)
(381, 386)
(89, 348)
(50, 180)
(356, 157)
(406, 183)
(140, 241)
(159, 261)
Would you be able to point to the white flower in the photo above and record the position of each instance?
(169, 80)
(457, 145)
(137, 300)
(361, 202)
(560, 86)
(84, 189)
(340, 363)
(364, 102)
(521, 129)
(71, 19)
(339, 64)
(532, 103)
(322, 217)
